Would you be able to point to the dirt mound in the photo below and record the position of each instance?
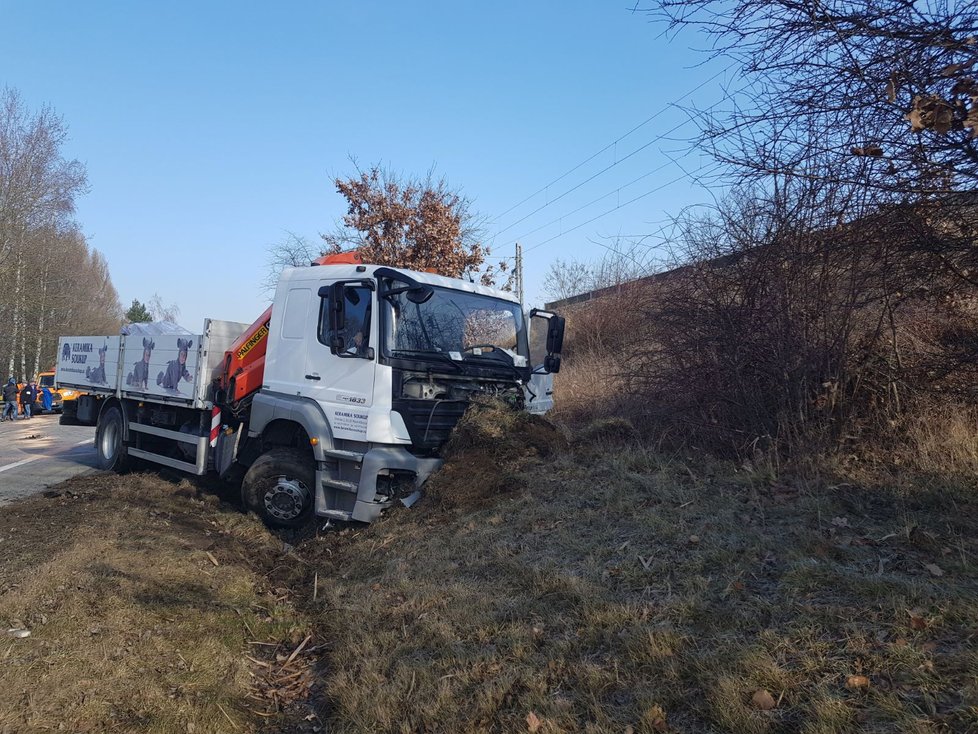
(491, 445)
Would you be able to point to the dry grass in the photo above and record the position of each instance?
(588, 386)
(143, 603)
(623, 590)
(610, 589)
(943, 438)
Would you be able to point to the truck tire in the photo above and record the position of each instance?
(111, 453)
(280, 488)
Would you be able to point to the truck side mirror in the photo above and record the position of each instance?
(555, 336)
(421, 294)
(554, 339)
(336, 300)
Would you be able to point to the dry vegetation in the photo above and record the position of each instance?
(623, 591)
(541, 586)
(145, 606)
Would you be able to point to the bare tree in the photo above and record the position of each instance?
(567, 278)
(784, 332)
(878, 93)
(624, 260)
(292, 251)
(37, 191)
(161, 311)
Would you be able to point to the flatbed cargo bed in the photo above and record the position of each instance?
(175, 368)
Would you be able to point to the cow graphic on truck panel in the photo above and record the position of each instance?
(176, 368)
(139, 377)
(97, 375)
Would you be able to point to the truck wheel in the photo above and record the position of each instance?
(110, 450)
(280, 488)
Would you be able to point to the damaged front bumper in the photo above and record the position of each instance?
(360, 498)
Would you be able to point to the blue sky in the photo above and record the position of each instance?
(210, 129)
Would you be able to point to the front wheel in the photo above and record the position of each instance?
(111, 453)
(280, 488)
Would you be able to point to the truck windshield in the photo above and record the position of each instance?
(453, 321)
(47, 380)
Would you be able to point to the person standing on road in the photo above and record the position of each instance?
(27, 397)
(9, 400)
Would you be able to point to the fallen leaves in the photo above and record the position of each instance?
(917, 619)
(655, 718)
(763, 700)
(934, 570)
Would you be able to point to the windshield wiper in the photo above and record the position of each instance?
(423, 353)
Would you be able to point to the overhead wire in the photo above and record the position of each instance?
(540, 208)
(612, 144)
(603, 196)
(616, 208)
(685, 174)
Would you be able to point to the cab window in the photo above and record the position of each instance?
(356, 328)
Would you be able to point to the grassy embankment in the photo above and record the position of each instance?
(538, 587)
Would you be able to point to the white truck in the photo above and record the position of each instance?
(333, 403)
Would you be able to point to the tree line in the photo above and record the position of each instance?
(52, 283)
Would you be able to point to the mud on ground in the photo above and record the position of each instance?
(488, 453)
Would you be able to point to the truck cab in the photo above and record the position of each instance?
(385, 361)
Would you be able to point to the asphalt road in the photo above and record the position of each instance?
(38, 453)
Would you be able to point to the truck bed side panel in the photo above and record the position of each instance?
(160, 367)
(89, 362)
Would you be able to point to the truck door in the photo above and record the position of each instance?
(539, 391)
(342, 386)
(346, 380)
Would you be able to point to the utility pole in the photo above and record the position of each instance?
(519, 271)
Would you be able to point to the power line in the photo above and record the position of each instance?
(604, 196)
(614, 209)
(656, 139)
(612, 144)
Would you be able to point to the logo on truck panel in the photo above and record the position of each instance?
(253, 341)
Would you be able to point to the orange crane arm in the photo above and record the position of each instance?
(244, 362)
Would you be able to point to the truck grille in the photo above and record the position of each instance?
(429, 422)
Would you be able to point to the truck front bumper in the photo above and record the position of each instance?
(340, 500)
